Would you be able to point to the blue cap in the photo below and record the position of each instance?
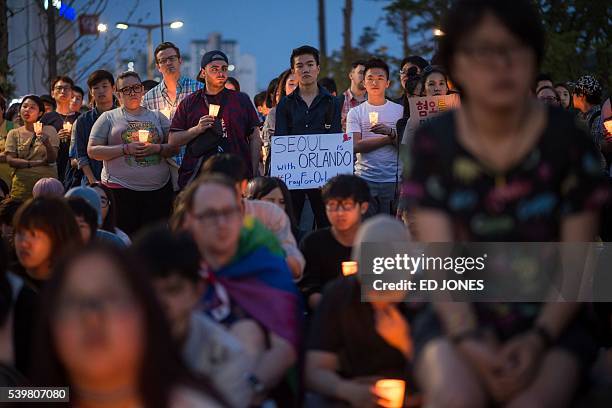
(91, 196)
(211, 56)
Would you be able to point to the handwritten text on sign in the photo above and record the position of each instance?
(309, 161)
(424, 108)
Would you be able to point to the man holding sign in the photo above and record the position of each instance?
(309, 110)
(372, 125)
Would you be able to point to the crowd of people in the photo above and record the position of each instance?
(149, 259)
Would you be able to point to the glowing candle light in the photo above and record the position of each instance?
(213, 110)
(349, 268)
(373, 118)
(392, 391)
(143, 136)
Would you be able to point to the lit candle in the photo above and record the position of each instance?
(349, 268)
(373, 118)
(392, 391)
(213, 110)
(143, 136)
(38, 127)
(67, 126)
(608, 125)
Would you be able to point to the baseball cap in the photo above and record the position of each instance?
(211, 56)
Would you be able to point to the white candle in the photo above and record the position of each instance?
(38, 127)
(392, 391)
(213, 110)
(373, 118)
(67, 126)
(143, 136)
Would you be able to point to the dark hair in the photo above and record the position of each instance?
(165, 253)
(110, 222)
(62, 78)
(4, 187)
(543, 77)
(346, 186)
(6, 291)
(13, 110)
(428, 71)
(357, 63)
(3, 104)
(81, 208)
(259, 99)
(304, 50)
(282, 83)
(234, 82)
(520, 17)
(37, 100)
(260, 187)
(162, 368)
(8, 209)
(164, 46)
(549, 88)
(220, 179)
(415, 60)
(98, 76)
(564, 85)
(376, 63)
(127, 74)
(78, 89)
(329, 84)
(53, 216)
(149, 84)
(227, 164)
(412, 80)
(271, 93)
(48, 99)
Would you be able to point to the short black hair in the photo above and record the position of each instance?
(329, 84)
(376, 63)
(8, 209)
(304, 50)
(62, 78)
(166, 253)
(227, 164)
(78, 89)
(127, 74)
(345, 186)
(520, 17)
(81, 208)
(234, 82)
(98, 76)
(415, 60)
(47, 99)
(259, 99)
(164, 46)
(544, 77)
(357, 63)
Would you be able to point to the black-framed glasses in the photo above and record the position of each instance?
(131, 90)
(172, 58)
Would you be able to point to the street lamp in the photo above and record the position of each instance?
(149, 28)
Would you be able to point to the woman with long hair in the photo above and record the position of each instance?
(275, 191)
(434, 81)
(104, 336)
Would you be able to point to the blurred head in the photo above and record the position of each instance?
(214, 69)
(102, 331)
(260, 103)
(173, 263)
(376, 76)
(61, 89)
(213, 215)
(49, 102)
(543, 80)
(413, 82)
(32, 109)
(329, 85)
(587, 92)
(13, 113)
(77, 99)
(549, 96)
(107, 206)
(129, 90)
(272, 190)
(101, 85)
(305, 65)
(232, 84)
(48, 187)
(86, 218)
(44, 229)
(346, 199)
(412, 61)
(91, 197)
(565, 95)
(271, 97)
(231, 166)
(434, 82)
(8, 209)
(492, 50)
(356, 75)
(286, 85)
(168, 60)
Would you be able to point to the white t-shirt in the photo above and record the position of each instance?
(380, 165)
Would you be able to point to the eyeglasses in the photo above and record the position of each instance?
(131, 90)
(62, 88)
(214, 216)
(488, 54)
(71, 308)
(335, 206)
(172, 59)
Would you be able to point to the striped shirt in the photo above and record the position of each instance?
(349, 103)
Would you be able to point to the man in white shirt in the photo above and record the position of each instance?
(373, 127)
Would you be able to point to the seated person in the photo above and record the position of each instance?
(250, 289)
(173, 263)
(346, 200)
(353, 343)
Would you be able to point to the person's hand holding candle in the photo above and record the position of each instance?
(373, 118)
(38, 128)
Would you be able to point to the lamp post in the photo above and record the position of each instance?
(149, 28)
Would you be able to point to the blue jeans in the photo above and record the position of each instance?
(382, 199)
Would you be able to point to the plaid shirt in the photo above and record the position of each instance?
(158, 99)
(349, 103)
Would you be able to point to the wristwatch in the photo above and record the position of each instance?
(255, 383)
